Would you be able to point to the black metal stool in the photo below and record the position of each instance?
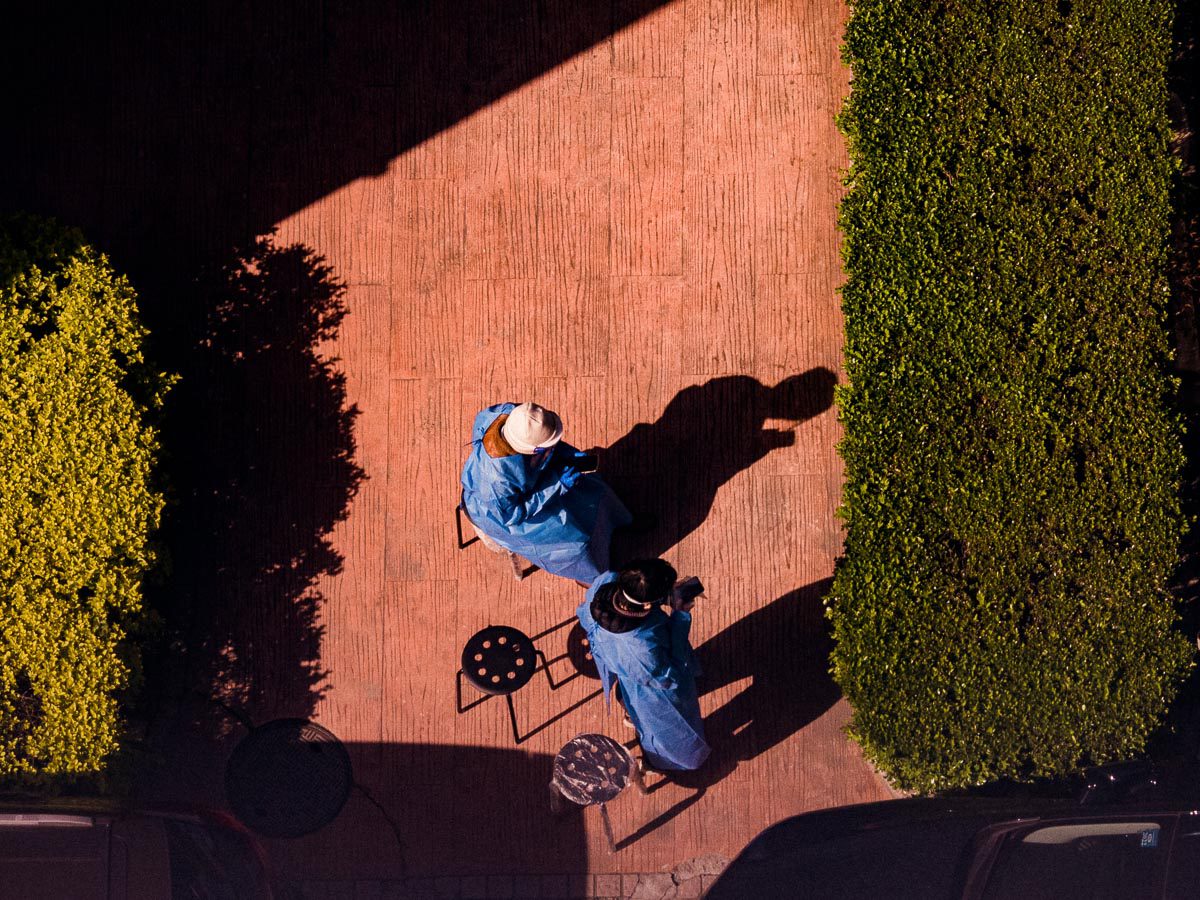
(499, 661)
(590, 770)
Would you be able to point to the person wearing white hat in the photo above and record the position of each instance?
(523, 488)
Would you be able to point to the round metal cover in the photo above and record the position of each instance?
(499, 660)
(592, 768)
(288, 778)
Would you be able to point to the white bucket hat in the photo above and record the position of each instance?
(530, 427)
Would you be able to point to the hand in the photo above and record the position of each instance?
(680, 603)
(683, 597)
(569, 476)
(778, 437)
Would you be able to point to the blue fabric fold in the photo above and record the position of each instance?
(655, 669)
(519, 502)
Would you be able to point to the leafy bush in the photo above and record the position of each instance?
(1012, 462)
(76, 505)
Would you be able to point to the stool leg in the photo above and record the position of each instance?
(546, 669)
(637, 778)
(462, 545)
(558, 803)
(458, 676)
(608, 832)
(512, 715)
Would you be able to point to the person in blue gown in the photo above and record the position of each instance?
(521, 486)
(646, 653)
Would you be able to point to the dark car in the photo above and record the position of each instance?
(81, 854)
(974, 847)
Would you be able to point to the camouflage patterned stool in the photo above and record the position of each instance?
(590, 770)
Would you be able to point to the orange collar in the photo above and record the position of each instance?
(494, 442)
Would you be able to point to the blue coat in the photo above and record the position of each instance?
(518, 502)
(657, 670)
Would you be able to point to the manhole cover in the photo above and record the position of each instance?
(288, 778)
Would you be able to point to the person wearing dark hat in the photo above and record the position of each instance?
(645, 652)
(523, 490)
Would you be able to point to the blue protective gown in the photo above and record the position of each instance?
(519, 502)
(656, 670)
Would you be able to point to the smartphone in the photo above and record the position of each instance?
(587, 462)
(690, 588)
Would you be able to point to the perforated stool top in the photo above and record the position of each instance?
(288, 778)
(592, 768)
(579, 652)
(499, 660)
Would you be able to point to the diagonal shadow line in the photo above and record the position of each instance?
(560, 715)
(553, 628)
(297, 76)
(662, 819)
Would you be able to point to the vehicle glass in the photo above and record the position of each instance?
(1115, 860)
(1183, 878)
(209, 863)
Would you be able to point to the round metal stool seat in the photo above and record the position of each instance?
(499, 660)
(288, 778)
(592, 768)
(579, 652)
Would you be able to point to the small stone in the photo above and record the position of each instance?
(712, 864)
(658, 886)
(607, 885)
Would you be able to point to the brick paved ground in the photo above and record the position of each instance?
(608, 886)
(623, 209)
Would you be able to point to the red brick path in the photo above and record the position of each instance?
(655, 213)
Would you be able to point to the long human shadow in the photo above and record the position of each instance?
(260, 447)
(783, 649)
(669, 471)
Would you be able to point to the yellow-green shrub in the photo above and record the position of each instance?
(76, 502)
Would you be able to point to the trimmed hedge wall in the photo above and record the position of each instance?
(1012, 462)
(76, 505)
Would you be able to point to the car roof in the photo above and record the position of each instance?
(54, 856)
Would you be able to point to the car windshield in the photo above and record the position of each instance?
(1111, 860)
(209, 863)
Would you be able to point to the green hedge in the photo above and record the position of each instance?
(76, 505)
(1012, 462)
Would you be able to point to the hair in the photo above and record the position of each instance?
(648, 580)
